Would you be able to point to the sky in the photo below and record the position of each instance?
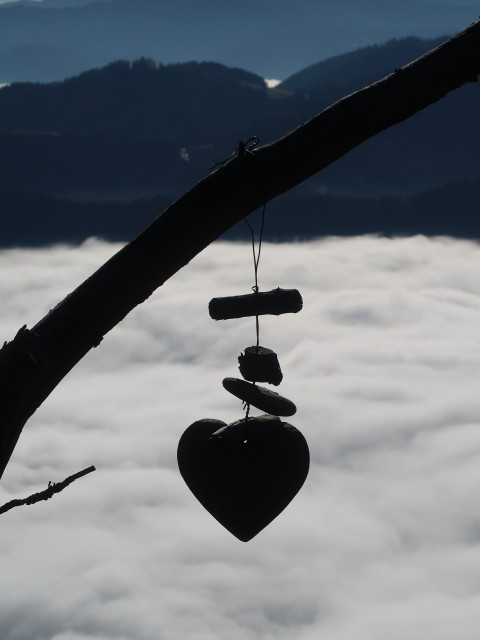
(383, 540)
(450, 2)
(281, 38)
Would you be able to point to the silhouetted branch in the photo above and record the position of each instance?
(38, 359)
(47, 493)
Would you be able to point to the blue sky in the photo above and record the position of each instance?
(383, 363)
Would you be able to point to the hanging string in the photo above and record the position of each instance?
(256, 261)
(255, 288)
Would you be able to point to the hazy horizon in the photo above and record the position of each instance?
(272, 40)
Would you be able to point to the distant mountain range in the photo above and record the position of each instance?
(360, 67)
(53, 39)
(32, 220)
(103, 152)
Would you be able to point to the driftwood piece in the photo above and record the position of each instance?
(260, 397)
(259, 364)
(274, 302)
(47, 493)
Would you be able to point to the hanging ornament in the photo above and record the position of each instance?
(246, 473)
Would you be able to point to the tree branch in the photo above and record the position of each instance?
(47, 493)
(37, 360)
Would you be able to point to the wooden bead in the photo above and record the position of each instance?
(260, 365)
(274, 302)
(259, 397)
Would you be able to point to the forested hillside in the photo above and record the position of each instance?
(144, 132)
(360, 67)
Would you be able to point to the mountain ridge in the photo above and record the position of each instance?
(185, 116)
(362, 66)
(271, 38)
(133, 136)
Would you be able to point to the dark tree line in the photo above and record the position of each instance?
(137, 100)
(134, 130)
(35, 220)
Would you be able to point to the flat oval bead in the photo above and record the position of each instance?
(260, 397)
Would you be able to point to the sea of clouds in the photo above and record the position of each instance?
(383, 541)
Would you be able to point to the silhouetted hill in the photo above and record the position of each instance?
(274, 38)
(128, 128)
(139, 100)
(131, 130)
(358, 68)
(144, 133)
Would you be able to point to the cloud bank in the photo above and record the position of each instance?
(383, 540)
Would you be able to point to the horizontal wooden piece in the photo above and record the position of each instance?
(274, 302)
(259, 364)
(259, 397)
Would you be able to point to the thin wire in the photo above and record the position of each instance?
(256, 258)
(256, 261)
(255, 264)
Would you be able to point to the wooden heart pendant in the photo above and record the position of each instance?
(244, 473)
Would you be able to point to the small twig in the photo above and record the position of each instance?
(47, 493)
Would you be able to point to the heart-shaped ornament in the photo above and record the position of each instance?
(244, 473)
